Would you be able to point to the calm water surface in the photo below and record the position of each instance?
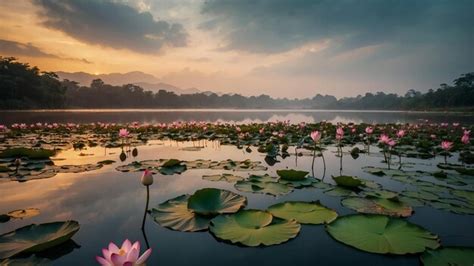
(109, 206)
(235, 116)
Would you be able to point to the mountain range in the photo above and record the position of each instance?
(146, 81)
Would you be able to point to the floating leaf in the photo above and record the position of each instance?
(340, 192)
(378, 206)
(382, 234)
(423, 195)
(253, 228)
(174, 214)
(303, 212)
(223, 177)
(36, 237)
(347, 181)
(255, 186)
(213, 201)
(445, 256)
(292, 175)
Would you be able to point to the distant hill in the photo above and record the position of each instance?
(144, 80)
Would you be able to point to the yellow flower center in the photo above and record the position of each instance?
(122, 252)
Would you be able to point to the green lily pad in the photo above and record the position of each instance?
(36, 237)
(378, 206)
(292, 175)
(253, 228)
(174, 214)
(445, 256)
(223, 177)
(171, 170)
(213, 201)
(422, 195)
(303, 212)
(382, 234)
(347, 181)
(340, 192)
(271, 188)
(28, 153)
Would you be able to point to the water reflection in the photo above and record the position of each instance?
(109, 206)
(233, 116)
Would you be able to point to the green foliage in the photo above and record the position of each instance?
(34, 154)
(36, 238)
(25, 87)
(381, 234)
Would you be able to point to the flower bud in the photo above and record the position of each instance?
(147, 178)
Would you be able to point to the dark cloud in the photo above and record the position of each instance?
(21, 49)
(273, 26)
(12, 48)
(111, 24)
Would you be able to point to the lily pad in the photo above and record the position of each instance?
(213, 201)
(292, 175)
(255, 186)
(347, 181)
(174, 214)
(303, 212)
(382, 234)
(223, 177)
(460, 256)
(36, 238)
(253, 228)
(378, 206)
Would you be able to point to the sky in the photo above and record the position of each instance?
(283, 48)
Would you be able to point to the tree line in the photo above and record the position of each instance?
(26, 87)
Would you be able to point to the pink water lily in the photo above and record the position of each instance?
(315, 136)
(446, 145)
(401, 133)
(127, 255)
(384, 139)
(340, 131)
(465, 139)
(369, 130)
(123, 133)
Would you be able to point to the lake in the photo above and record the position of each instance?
(109, 204)
(228, 115)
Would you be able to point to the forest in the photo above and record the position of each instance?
(25, 87)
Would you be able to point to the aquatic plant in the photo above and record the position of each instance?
(126, 255)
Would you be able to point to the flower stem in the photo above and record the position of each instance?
(146, 206)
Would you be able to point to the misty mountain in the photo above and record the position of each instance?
(144, 80)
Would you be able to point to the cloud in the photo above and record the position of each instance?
(21, 49)
(111, 24)
(12, 48)
(275, 26)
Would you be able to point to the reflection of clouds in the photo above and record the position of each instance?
(237, 116)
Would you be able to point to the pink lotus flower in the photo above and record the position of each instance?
(238, 129)
(446, 145)
(123, 133)
(261, 131)
(391, 143)
(455, 124)
(401, 133)
(127, 255)
(3, 127)
(315, 136)
(369, 130)
(384, 139)
(340, 131)
(465, 139)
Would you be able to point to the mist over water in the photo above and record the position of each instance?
(232, 116)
